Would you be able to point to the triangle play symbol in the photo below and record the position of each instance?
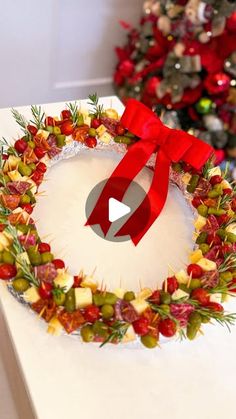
(117, 209)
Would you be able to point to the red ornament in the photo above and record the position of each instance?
(151, 86)
(217, 83)
(126, 68)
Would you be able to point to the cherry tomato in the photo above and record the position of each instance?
(232, 285)
(40, 152)
(44, 247)
(58, 263)
(120, 130)
(227, 191)
(77, 281)
(37, 177)
(7, 271)
(167, 327)
(4, 156)
(27, 207)
(194, 270)
(172, 284)
(49, 121)
(222, 219)
(90, 142)
(213, 239)
(2, 227)
(155, 297)
(196, 201)
(32, 129)
(141, 326)
(215, 179)
(226, 249)
(20, 146)
(200, 295)
(41, 167)
(65, 114)
(95, 123)
(215, 306)
(233, 204)
(91, 313)
(45, 290)
(67, 128)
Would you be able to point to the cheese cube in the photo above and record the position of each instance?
(15, 176)
(31, 295)
(206, 264)
(186, 178)
(101, 130)
(64, 280)
(11, 163)
(4, 242)
(43, 133)
(199, 222)
(182, 277)
(145, 293)
(83, 297)
(195, 256)
(140, 305)
(112, 113)
(106, 137)
(129, 336)
(120, 292)
(214, 171)
(20, 258)
(54, 327)
(89, 282)
(178, 294)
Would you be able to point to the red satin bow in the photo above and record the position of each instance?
(171, 145)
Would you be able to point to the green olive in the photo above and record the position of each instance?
(25, 199)
(195, 283)
(98, 299)
(202, 210)
(20, 284)
(221, 233)
(216, 211)
(165, 308)
(61, 140)
(1, 257)
(107, 311)
(100, 329)
(59, 297)
(129, 296)
(177, 167)
(70, 301)
(31, 144)
(8, 257)
(192, 330)
(193, 183)
(110, 298)
(201, 238)
(24, 169)
(226, 276)
(92, 132)
(165, 297)
(195, 319)
(47, 257)
(231, 237)
(149, 341)
(31, 195)
(56, 130)
(34, 256)
(204, 247)
(49, 128)
(87, 333)
(205, 318)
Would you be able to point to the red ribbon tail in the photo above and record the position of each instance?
(156, 196)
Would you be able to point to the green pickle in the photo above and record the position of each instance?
(25, 199)
(98, 299)
(70, 301)
(204, 247)
(61, 140)
(231, 237)
(201, 238)
(123, 139)
(165, 297)
(194, 324)
(100, 329)
(195, 283)
(59, 298)
(193, 183)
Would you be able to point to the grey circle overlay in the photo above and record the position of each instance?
(132, 198)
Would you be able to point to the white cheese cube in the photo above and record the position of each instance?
(83, 297)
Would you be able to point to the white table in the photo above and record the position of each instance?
(62, 378)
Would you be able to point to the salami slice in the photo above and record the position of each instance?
(54, 150)
(210, 279)
(29, 156)
(203, 188)
(125, 311)
(46, 272)
(181, 312)
(71, 321)
(10, 201)
(46, 308)
(111, 125)
(211, 225)
(18, 187)
(27, 240)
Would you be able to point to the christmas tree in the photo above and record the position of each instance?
(181, 62)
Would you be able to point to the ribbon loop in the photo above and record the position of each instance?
(171, 145)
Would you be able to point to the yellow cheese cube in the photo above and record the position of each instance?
(225, 184)
(182, 277)
(145, 293)
(43, 133)
(21, 258)
(215, 171)
(195, 256)
(54, 327)
(206, 264)
(186, 178)
(31, 295)
(179, 294)
(83, 297)
(140, 305)
(15, 176)
(100, 130)
(199, 222)
(11, 163)
(4, 242)
(112, 113)
(106, 137)
(64, 280)
(120, 292)
(129, 336)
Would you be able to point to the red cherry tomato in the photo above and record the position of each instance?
(44, 247)
(200, 295)
(215, 179)
(40, 152)
(65, 114)
(91, 313)
(215, 306)
(222, 219)
(41, 167)
(90, 142)
(196, 201)
(77, 281)
(213, 239)
(58, 263)
(233, 204)
(7, 271)
(37, 177)
(232, 285)
(172, 284)
(155, 297)
(227, 191)
(120, 130)
(32, 129)
(49, 121)
(141, 326)
(95, 123)
(67, 128)
(20, 146)
(27, 207)
(4, 156)
(45, 290)
(167, 327)
(194, 270)
(2, 227)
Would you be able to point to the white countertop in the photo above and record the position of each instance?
(68, 379)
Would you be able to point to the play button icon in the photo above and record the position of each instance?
(117, 209)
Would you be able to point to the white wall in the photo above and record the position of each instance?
(59, 49)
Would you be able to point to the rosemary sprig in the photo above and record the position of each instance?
(38, 116)
(97, 109)
(21, 121)
(4, 212)
(57, 291)
(224, 290)
(5, 146)
(118, 331)
(207, 167)
(229, 263)
(73, 107)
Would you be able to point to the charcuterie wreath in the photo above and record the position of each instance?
(77, 304)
